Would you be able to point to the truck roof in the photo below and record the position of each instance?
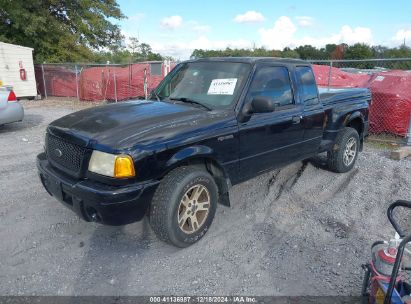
(252, 59)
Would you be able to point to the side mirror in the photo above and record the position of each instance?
(263, 104)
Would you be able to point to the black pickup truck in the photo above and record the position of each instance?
(210, 124)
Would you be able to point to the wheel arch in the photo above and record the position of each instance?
(204, 158)
(356, 121)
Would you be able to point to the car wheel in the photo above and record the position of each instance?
(344, 153)
(183, 206)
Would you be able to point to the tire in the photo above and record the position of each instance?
(338, 160)
(175, 200)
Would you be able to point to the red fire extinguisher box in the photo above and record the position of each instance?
(23, 75)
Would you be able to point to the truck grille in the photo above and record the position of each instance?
(64, 154)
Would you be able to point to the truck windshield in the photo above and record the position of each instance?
(211, 84)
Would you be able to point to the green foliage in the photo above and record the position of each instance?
(309, 52)
(289, 53)
(228, 52)
(358, 51)
(70, 31)
(60, 30)
(135, 52)
(256, 52)
(401, 52)
(331, 51)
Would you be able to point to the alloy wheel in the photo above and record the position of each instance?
(193, 209)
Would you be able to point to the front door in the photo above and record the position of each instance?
(269, 140)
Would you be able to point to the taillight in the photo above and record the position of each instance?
(12, 97)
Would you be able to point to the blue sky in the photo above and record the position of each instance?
(175, 28)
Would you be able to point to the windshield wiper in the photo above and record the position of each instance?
(189, 100)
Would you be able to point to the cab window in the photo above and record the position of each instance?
(273, 82)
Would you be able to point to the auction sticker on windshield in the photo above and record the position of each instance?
(222, 86)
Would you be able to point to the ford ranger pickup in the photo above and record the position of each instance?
(210, 124)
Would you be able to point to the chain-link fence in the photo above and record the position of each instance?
(97, 82)
(389, 81)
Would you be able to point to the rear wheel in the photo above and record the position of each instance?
(183, 206)
(344, 153)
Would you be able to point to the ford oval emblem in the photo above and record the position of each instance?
(58, 153)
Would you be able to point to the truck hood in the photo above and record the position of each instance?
(124, 125)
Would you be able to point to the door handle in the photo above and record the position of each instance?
(296, 119)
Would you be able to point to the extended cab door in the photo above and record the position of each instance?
(313, 112)
(271, 139)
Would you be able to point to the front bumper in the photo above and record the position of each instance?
(11, 113)
(94, 201)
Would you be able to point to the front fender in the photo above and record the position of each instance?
(188, 153)
(203, 155)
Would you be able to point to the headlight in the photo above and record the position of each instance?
(118, 166)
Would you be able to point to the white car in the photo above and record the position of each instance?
(10, 109)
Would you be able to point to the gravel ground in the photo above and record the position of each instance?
(300, 230)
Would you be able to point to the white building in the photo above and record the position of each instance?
(17, 69)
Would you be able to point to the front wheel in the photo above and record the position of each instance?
(183, 206)
(344, 153)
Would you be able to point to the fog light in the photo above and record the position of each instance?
(124, 167)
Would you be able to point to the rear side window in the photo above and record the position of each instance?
(273, 82)
(307, 87)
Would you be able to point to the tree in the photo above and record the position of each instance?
(400, 52)
(310, 52)
(133, 45)
(289, 53)
(379, 51)
(145, 50)
(338, 52)
(330, 51)
(60, 30)
(135, 52)
(358, 51)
